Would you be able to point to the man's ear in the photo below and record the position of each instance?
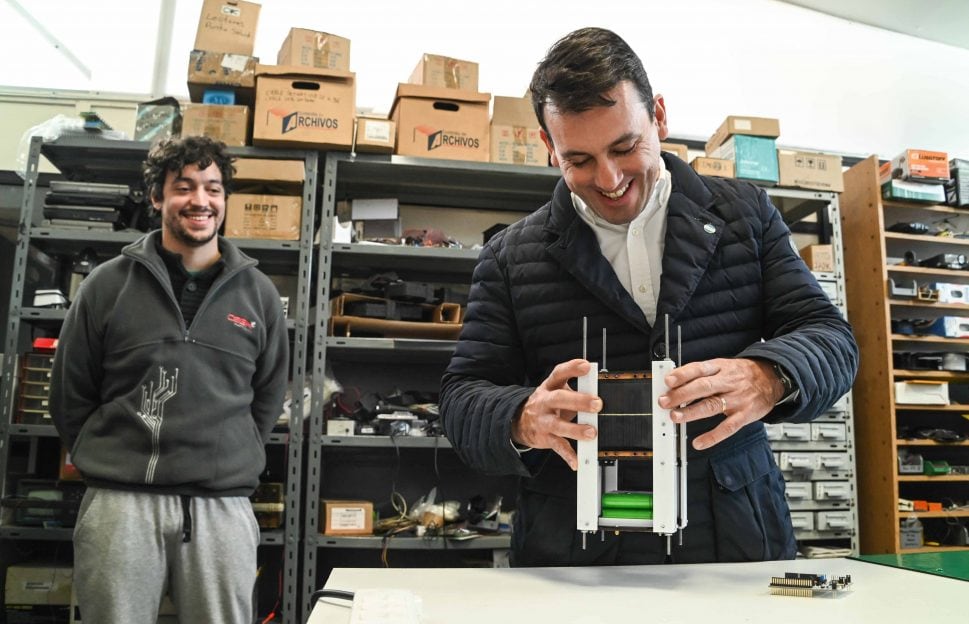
(551, 148)
(659, 117)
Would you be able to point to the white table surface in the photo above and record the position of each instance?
(661, 594)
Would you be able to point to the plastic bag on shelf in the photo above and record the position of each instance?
(55, 127)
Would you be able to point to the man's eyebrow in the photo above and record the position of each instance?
(629, 136)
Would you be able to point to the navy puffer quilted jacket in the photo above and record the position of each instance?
(732, 282)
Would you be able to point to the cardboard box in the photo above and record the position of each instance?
(917, 165)
(376, 136)
(819, 258)
(309, 48)
(267, 217)
(810, 170)
(270, 171)
(717, 167)
(754, 157)
(229, 124)
(36, 584)
(304, 107)
(227, 26)
(515, 133)
(442, 71)
(346, 517)
(682, 151)
(436, 122)
(207, 70)
(158, 120)
(750, 126)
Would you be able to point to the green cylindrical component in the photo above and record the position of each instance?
(627, 500)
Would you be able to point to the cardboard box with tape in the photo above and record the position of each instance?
(435, 122)
(434, 70)
(716, 167)
(515, 133)
(229, 124)
(227, 26)
(303, 107)
(311, 48)
(810, 170)
(376, 136)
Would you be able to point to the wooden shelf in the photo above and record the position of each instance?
(931, 375)
(933, 408)
(927, 271)
(865, 215)
(894, 203)
(935, 305)
(931, 339)
(960, 513)
(935, 479)
(944, 240)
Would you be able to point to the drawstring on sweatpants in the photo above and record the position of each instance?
(186, 518)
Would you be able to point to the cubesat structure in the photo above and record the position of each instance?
(632, 428)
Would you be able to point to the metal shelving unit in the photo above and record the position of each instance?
(825, 514)
(427, 182)
(97, 160)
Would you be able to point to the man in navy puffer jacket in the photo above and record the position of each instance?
(630, 237)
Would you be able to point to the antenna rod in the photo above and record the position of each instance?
(604, 349)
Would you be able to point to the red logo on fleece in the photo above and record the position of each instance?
(238, 321)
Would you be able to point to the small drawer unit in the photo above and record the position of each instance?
(799, 493)
(802, 520)
(803, 462)
(829, 432)
(842, 520)
(797, 432)
(832, 491)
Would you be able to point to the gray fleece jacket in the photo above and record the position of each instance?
(145, 403)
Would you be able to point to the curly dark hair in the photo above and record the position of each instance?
(581, 67)
(176, 154)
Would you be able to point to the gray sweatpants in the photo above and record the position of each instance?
(129, 550)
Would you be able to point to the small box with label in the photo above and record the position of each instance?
(346, 517)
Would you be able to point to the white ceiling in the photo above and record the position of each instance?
(944, 21)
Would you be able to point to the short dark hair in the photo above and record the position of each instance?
(581, 67)
(176, 154)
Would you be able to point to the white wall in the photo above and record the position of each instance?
(835, 85)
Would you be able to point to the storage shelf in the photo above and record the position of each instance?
(928, 305)
(932, 240)
(932, 374)
(43, 315)
(428, 442)
(39, 431)
(389, 350)
(894, 203)
(443, 260)
(931, 339)
(961, 513)
(868, 250)
(93, 158)
(452, 183)
(935, 479)
(949, 274)
(483, 542)
(37, 533)
(933, 408)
